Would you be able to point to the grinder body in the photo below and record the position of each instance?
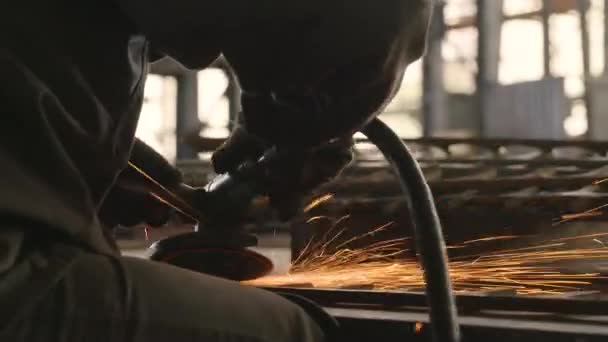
(219, 245)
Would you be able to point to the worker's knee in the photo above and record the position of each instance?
(126, 299)
(211, 307)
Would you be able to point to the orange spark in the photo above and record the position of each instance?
(582, 237)
(526, 271)
(569, 217)
(492, 238)
(317, 202)
(583, 214)
(315, 218)
(418, 327)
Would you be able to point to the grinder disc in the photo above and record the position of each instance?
(221, 257)
(234, 264)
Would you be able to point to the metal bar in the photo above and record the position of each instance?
(187, 113)
(199, 143)
(481, 65)
(538, 326)
(469, 22)
(529, 162)
(434, 96)
(489, 24)
(497, 184)
(484, 71)
(583, 6)
(605, 37)
(507, 184)
(468, 303)
(546, 16)
(499, 142)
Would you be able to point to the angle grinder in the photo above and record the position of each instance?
(218, 246)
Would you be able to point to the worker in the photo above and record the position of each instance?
(73, 72)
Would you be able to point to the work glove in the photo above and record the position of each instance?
(129, 208)
(292, 177)
(128, 203)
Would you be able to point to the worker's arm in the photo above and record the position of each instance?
(318, 79)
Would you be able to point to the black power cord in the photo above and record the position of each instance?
(427, 230)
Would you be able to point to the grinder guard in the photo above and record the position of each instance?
(222, 255)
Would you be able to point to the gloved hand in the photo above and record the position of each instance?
(128, 202)
(292, 178)
(129, 208)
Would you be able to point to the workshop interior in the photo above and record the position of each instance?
(475, 204)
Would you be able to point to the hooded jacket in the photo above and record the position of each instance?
(73, 75)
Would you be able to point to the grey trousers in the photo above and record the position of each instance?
(55, 292)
